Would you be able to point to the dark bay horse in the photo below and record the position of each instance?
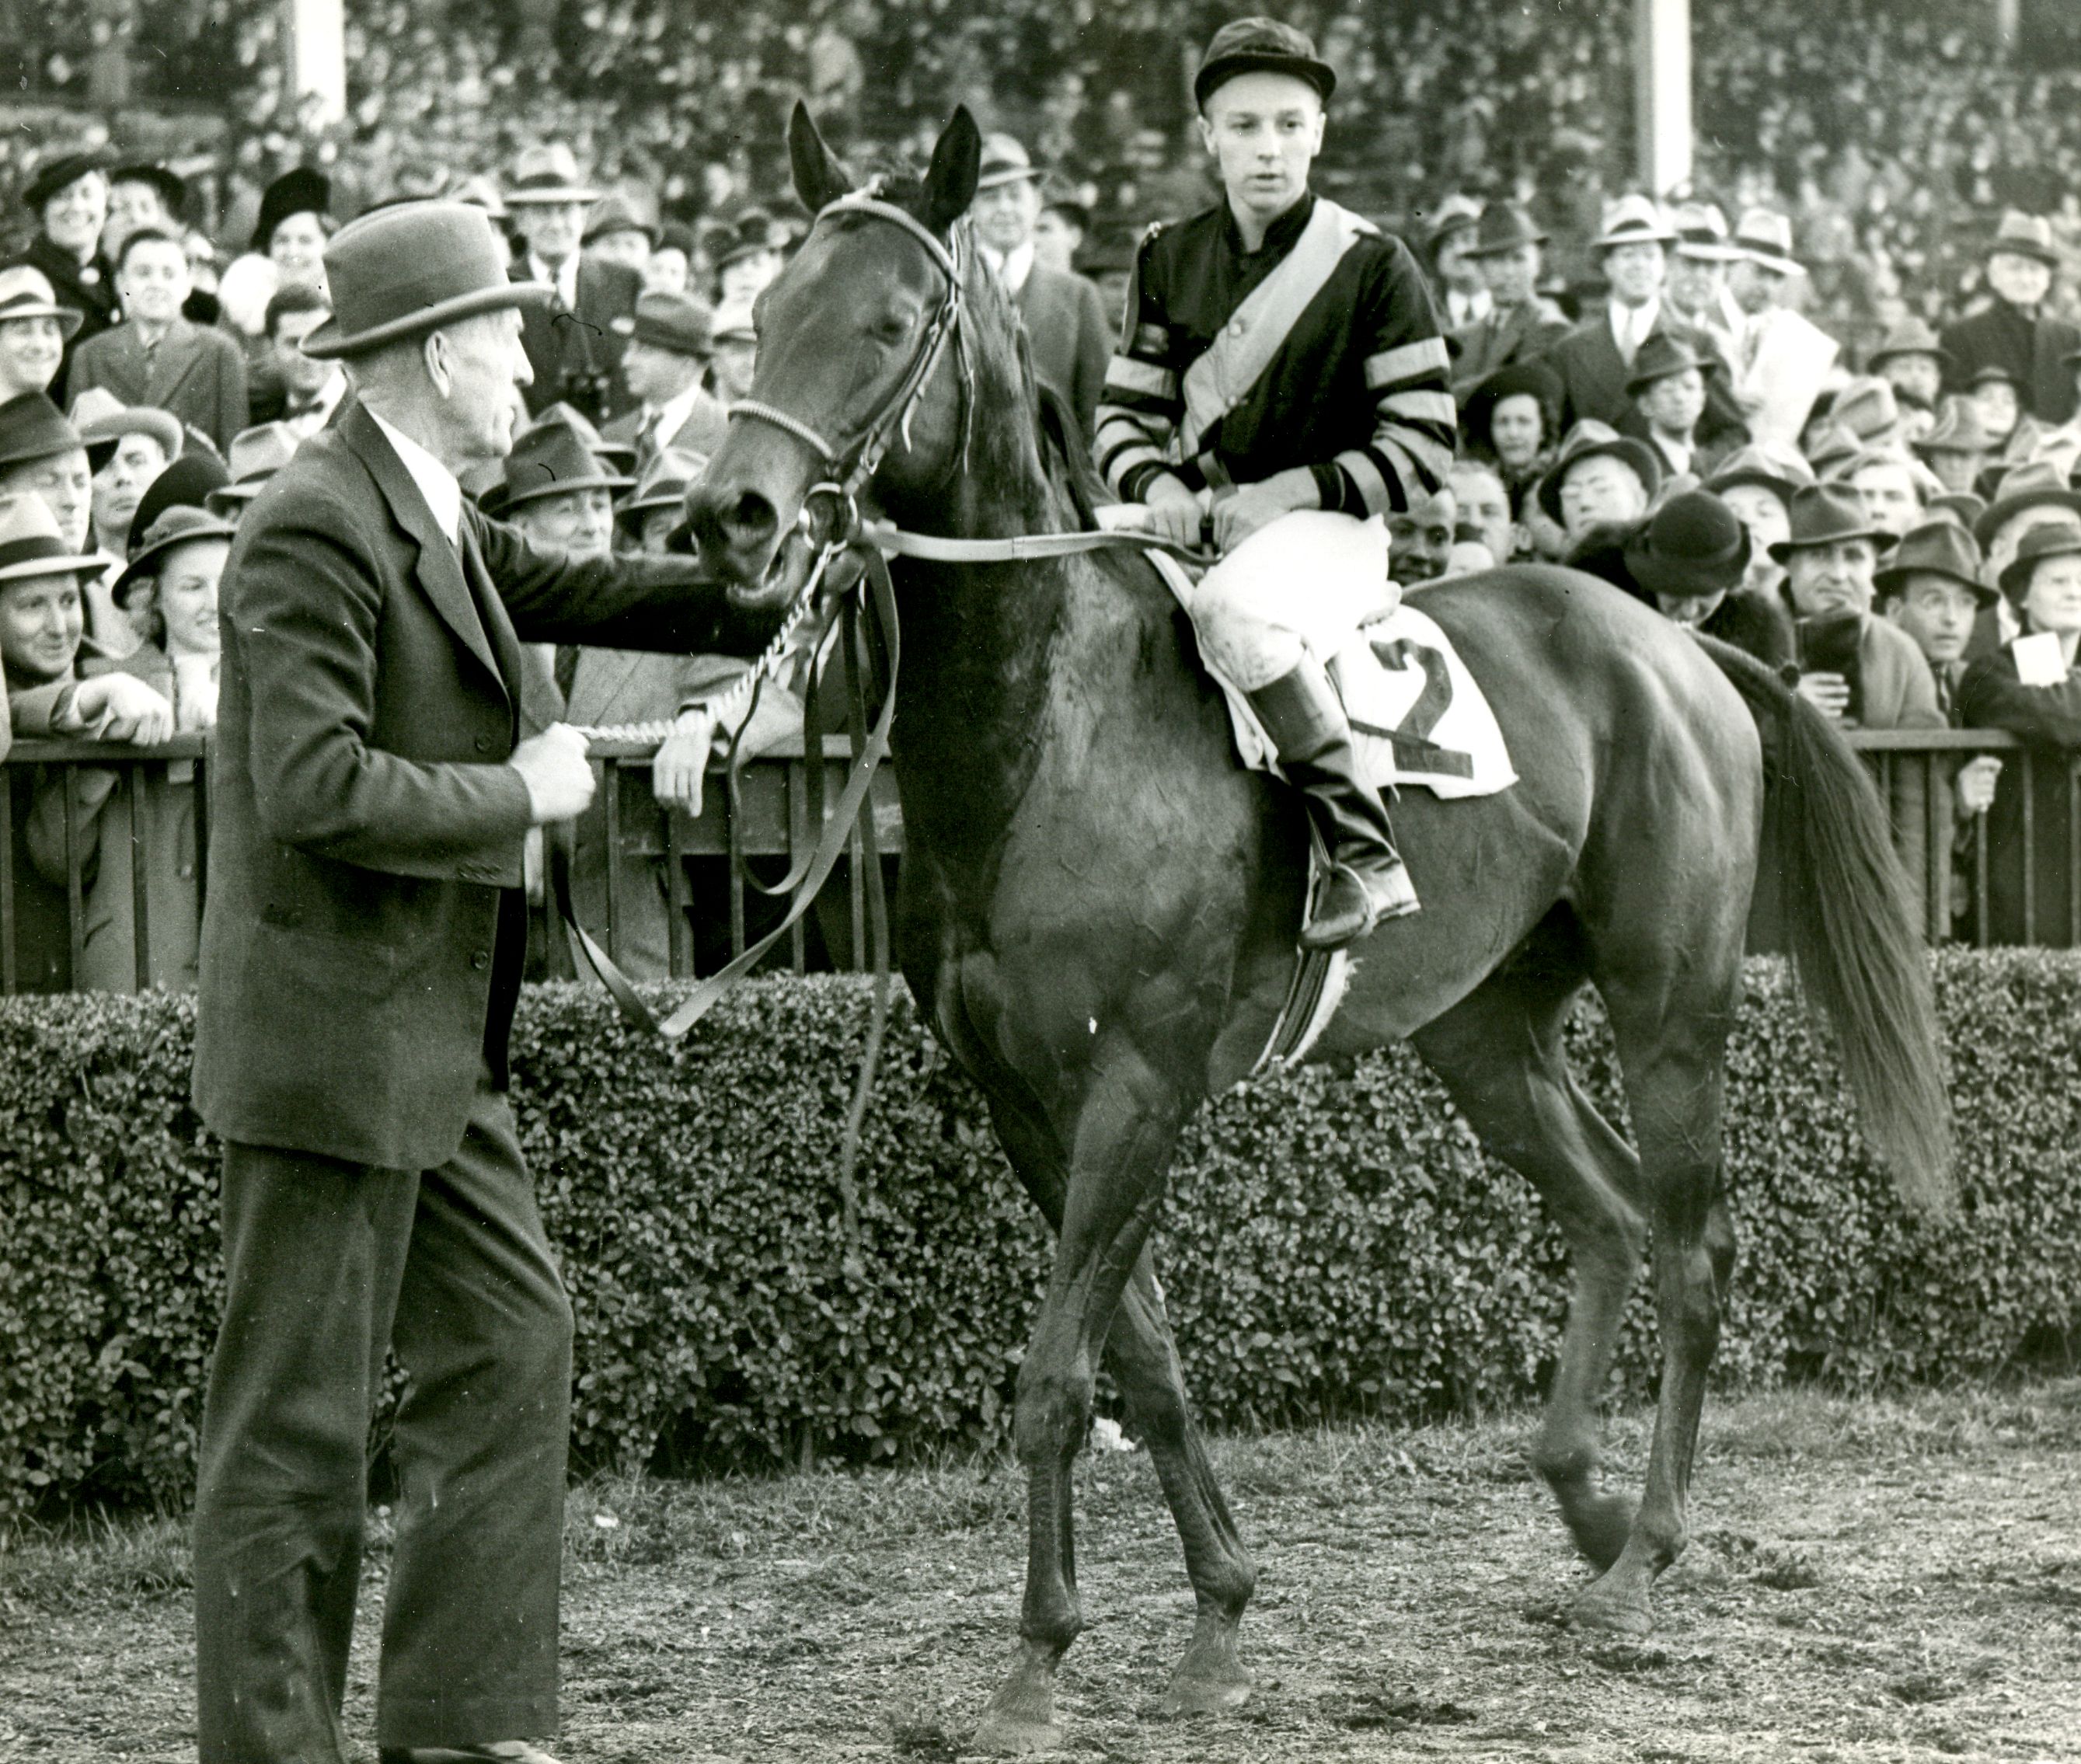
(1101, 904)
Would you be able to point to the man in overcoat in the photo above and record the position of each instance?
(2015, 332)
(1520, 322)
(361, 949)
(576, 340)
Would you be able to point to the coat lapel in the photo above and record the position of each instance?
(176, 354)
(439, 570)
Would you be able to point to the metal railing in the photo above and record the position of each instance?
(712, 862)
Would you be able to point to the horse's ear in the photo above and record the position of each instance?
(950, 185)
(820, 180)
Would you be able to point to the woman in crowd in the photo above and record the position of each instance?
(2029, 687)
(1513, 420)
(34, 330)
(69, 195)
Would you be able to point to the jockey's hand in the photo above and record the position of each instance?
(1827, 693)
(682, 763)
(1174, 513)
(1237, 517)
(1974, 789)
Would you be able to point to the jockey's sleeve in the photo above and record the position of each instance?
(1409, 454)
(1141, 404)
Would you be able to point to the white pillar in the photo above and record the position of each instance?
(1661, 91)
(315, 30)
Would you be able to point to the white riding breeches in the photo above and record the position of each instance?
(1301, 585)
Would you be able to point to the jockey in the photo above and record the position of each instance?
(1280, 387)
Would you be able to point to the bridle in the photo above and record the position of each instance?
(842, 485)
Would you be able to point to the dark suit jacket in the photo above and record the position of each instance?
(2047, 718)
(1517, 333)
(2032, 350)
(577, 355)
(93, 299)
(1070, 337)
(198, 374)
(702, 432)
(365, 930)
(1593, 373)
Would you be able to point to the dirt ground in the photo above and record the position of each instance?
(1892, 1579)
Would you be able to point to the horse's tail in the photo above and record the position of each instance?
(1854, 936)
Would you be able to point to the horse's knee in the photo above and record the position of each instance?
(1054, 1410)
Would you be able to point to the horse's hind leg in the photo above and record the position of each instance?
(1143, 1356)
(1499, 1053)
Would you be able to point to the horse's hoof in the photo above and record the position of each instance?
(1612, 1613)
(1599, 1524)
(1012, 1736)
(1207, 1693)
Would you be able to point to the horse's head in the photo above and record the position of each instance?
(852, 340)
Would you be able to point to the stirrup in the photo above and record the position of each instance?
(1366, 900)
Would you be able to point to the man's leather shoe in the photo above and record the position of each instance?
(498, 1752)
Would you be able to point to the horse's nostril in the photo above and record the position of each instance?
(751, 515)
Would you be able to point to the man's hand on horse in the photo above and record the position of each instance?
(1235, 517)
(682, 763)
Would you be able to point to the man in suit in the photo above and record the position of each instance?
(1594, 358)
(1782, 359)
(1461, 287)
(1520, 322)
(1065, 317)
(155, 356)
(667, 355)
(575, 343)
(2014, 333)
(69, 195)
(362, 947)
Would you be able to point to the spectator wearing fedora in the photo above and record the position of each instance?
(33, 330)
(2015, 333)
(1066, 328)
(155, 356)
(736, 357)
(574, 343)
(1595, 358)
(1701, 259)
(668, 354)
(68, 194)
(748, 253)
(363, 941)
(1600, 478)
(2030, 687)
(1934, 587)
(2028, 496)
(1997, 401)
(1958, 449)
(1448, 243)
(1521, 323)
(42, 455)
(1667, 386)
(128, 450)
(1911, 358)
(1758, 483)
(256, 454)
(615, 233)
(1688, 560)
(1781, 360)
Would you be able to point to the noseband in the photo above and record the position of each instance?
(892, 420)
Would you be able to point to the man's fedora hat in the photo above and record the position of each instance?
(1911, 337)
(1701, 233)
(302, 189)
(663, 485)
(1937, 547)
(1771, 463)
(733, 323)
(1867, 408)
(1825, 515)
(1455, 215)
(1764, 237)
(2054, 539)
(479, 191)
(1005, 161)
(32, 427)
(257, 454)
(613, 214)
(1958, 430)
(1961, 507)
(188, 482)
(52, 174)
(102, 420)
(547, 174)
(1260, 45)
(401, 272)
(1503, 227)
(31, 545)
(1695, 545)
(1632, 220)
(1990, 372)
(550, 458)
(2037, 485)
(26, 292)
(173, 188)
(2025, 235)
(1590, 439)
(678, 322)
(750, 232)
(173, 526)
(1832, 448)
(616, 455)
(1658, 358)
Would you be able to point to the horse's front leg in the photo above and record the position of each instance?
(1121, 1144)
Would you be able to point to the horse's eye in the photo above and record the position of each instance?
(892, 330)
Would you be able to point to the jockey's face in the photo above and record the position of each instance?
(1264, 131)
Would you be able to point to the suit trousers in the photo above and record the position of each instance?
(327, 1264)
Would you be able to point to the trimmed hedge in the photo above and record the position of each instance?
(1333, 1242)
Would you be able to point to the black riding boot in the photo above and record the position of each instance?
(1368, 880)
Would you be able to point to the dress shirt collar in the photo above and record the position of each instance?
(565, 280)
(435, 482)
(1011, 268)
(668, 418)
(308, 419)
(1630, 324)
